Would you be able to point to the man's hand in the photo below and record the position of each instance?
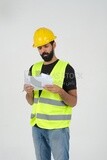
(53, 88)
(28, 88)
(29, 93)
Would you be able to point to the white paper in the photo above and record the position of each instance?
(38, 82)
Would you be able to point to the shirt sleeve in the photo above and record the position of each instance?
(70, 79)
(30, 71)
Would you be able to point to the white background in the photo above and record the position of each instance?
(81, 30)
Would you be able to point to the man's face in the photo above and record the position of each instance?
(46, 52)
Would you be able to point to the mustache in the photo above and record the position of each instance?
(45, 54)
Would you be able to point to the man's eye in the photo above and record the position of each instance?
(46, 46)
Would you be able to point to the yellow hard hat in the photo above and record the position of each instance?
(43, 36)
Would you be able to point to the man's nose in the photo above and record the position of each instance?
(43, 49)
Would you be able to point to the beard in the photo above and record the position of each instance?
(47, 56)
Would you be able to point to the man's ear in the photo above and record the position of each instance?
(54, 44)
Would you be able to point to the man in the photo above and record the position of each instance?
(52, 106)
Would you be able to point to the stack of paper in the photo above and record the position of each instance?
(38, 82)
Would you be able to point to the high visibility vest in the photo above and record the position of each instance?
(48, 110)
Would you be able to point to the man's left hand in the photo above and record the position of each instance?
(53, 88)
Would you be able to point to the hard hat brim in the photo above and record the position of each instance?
(34, 46)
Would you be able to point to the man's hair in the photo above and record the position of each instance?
(52, 42)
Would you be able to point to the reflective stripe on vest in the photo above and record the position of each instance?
(51, 117)
(49, 101)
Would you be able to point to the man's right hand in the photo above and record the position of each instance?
(29, 93)
(28, 88)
